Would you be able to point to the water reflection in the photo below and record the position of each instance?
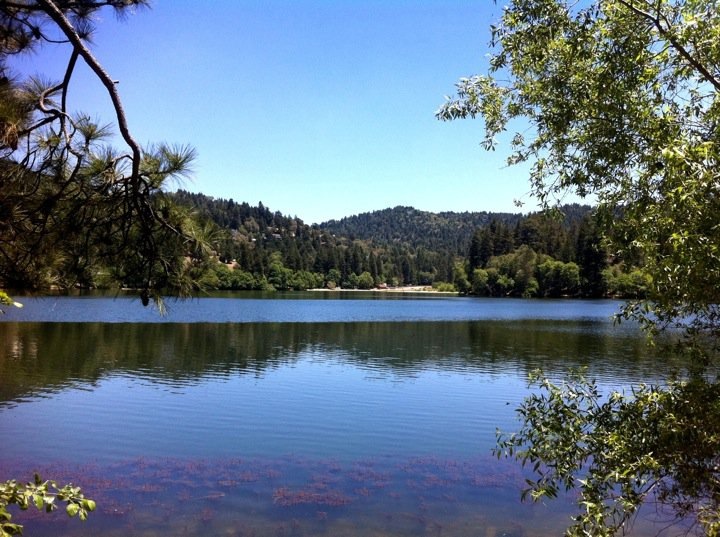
(42, 357)
(279, 429)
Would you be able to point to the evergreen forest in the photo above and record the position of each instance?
(480, 253)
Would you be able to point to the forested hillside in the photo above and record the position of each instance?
(445, 231)
(448, 231)
(498, 254)
(482, 253)
(284, 252)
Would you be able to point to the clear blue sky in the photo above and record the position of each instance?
(319, 109)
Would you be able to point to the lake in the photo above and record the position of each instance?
(308, 414)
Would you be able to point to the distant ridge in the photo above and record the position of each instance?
(450, 231)
(405, 226)
(396, 246)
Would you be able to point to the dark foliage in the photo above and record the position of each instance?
(399, 246)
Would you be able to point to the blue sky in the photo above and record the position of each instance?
(319, 109)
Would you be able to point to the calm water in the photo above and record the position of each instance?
(316, 415)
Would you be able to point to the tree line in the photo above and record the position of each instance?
(547, 257)
(232, 245)
(487, 254)
(262, 249)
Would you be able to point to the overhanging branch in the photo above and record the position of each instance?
(667, 34)
(69, 30)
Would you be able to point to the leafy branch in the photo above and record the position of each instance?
(80, 48)
(45, 496)
(621, 451)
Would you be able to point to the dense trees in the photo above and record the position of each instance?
(446, 231)
(266, 250)
(256, 235)
(619, 98)
(545, 257)
(260, 245)
(424, 256)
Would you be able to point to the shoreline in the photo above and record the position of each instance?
(405, 289)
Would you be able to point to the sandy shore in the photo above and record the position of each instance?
(406, 289)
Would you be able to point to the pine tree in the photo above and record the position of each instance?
(71, 206)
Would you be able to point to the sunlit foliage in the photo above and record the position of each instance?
(619, 99)
(44, 496)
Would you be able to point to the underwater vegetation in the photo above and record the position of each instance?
(286, 496)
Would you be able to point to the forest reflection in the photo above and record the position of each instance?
(50, 356)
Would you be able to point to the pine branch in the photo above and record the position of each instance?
(67, 28)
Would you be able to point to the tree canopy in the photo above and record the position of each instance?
(70, 202)
(619, 99)
(265, 250)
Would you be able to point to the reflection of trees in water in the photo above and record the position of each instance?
(49, 356)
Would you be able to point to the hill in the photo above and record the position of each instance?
(397, 246)
(447, 231)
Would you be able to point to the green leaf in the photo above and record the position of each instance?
(72, 509)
